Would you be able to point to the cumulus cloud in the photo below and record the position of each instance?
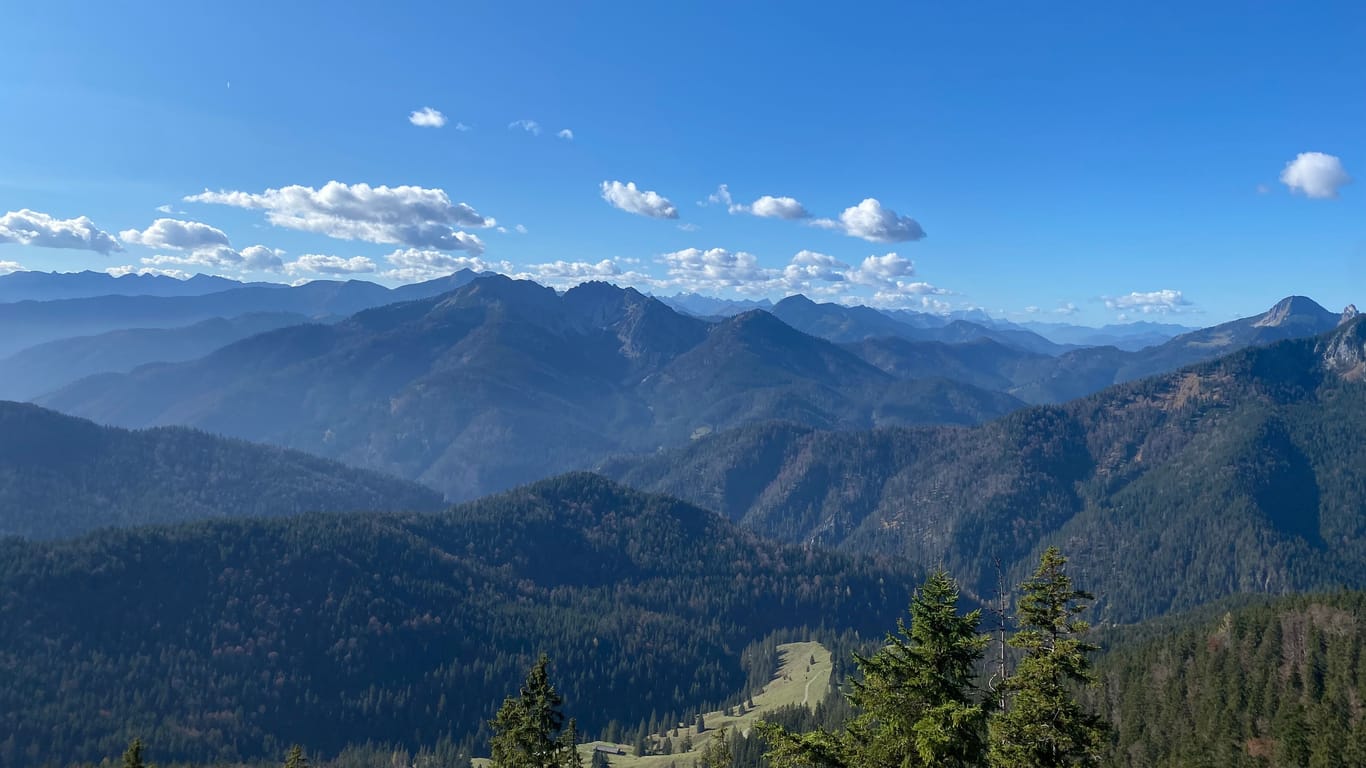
(320, 264)
(176, 235)
(810, 267)
(413, 265)
(886, 277)
(694, 269)
(772, 207)
(1164, 301)
(566, 134)
(629, 198)
(222, 257)
(462, 127)
(413, 216)
(7, 267)
(129, 269)
(882, 272)
(1067, 308)
(766, 206)
(1315, 175)
(27, 227)
(871, 221)
(426, 118)
(530, 126)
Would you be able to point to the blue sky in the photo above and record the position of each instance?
(1078, 161)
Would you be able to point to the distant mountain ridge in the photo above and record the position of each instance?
(62, 477)
(47, 286)
(1242, 474)
(841, 323)
(502, 381)
(27, 323)
(54, 364)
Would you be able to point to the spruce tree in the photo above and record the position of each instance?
(296, 758)
(917, 702)
(132, 757)
(527, 728)
(717, 753)
(1044, 724)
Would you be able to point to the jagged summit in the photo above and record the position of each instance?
(1349, 313)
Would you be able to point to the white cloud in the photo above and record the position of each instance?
(872, 222)
(520, 229)
(566, 134)
(772, 207)
(223, 257)
(641, 202)
(7, 267)
(1149, 302)
(882, 272)
(1067, 308)
(320, 264)
(720, 197)
(1315, 175)
(766, 206)
(177, 235)
(406, 215)
(259, 257)
(27, 227)
(718, 270)
(688, 226)
(129, 269)
(462, 127)
(427, 118)
(694, 269)
(530, 126)
(413, 265)
(808, 267)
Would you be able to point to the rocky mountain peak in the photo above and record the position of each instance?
(1291, 309)
(1349, 314)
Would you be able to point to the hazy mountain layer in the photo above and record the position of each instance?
(61, 476)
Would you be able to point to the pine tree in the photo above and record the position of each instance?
(132, 757)
(296, 758)
(1044, 724)
(527, 728)
(917, 702)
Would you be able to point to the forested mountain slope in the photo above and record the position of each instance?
(1246, 474)
(1278, 685)
(61, 476)
(232, 639)
(503, 382)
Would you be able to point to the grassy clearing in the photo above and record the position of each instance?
(798, 681)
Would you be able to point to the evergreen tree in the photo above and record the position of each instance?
(917, 702)
(1044, 724)
(569, 746)
(132, 757)
(717, 753)
(296, 758)
(527, 728)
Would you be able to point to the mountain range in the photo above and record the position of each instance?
(61, 477)
(51, 365)
(501, 382)
(29, 322)
(1242, 474)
